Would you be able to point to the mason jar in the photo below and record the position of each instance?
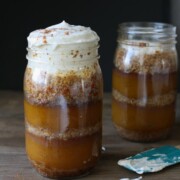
(63, 92)
(145, 81)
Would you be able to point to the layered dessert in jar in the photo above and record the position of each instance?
(63, 100)
(144, 88)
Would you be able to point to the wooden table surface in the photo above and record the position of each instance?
(15, 165)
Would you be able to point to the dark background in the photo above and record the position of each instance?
(20, 18)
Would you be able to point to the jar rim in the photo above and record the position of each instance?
(147, 28)
(152, 32)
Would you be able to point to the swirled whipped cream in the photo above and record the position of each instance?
(61, 34)
(62, 43)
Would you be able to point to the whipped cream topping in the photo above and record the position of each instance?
(61, 34)
(64, 47)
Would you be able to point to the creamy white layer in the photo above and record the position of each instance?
(138, 47)
(63, 46)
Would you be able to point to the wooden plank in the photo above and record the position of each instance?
(15, 165)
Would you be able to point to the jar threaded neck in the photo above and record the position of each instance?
(148, 31)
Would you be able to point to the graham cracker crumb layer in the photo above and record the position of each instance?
(54, 89)
(70, 134)
(158, 100)
(155, 62)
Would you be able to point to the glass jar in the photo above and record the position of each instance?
(145, 81)
(63, 109)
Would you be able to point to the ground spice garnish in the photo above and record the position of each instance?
(46, 31)
(44, 40)
(75, 54)
(66, 33)
(34, 54)
(142, 44)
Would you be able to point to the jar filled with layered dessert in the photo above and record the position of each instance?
(63, 92)
(145, 81)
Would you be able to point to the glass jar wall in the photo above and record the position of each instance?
(63, 107)
(144, 81)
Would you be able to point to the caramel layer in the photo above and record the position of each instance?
(62, 119)
(143, 136)
(143, 119)
(134, 85)
(63, 156)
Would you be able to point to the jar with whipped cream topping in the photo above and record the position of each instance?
(145, 81)
(63, 92)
